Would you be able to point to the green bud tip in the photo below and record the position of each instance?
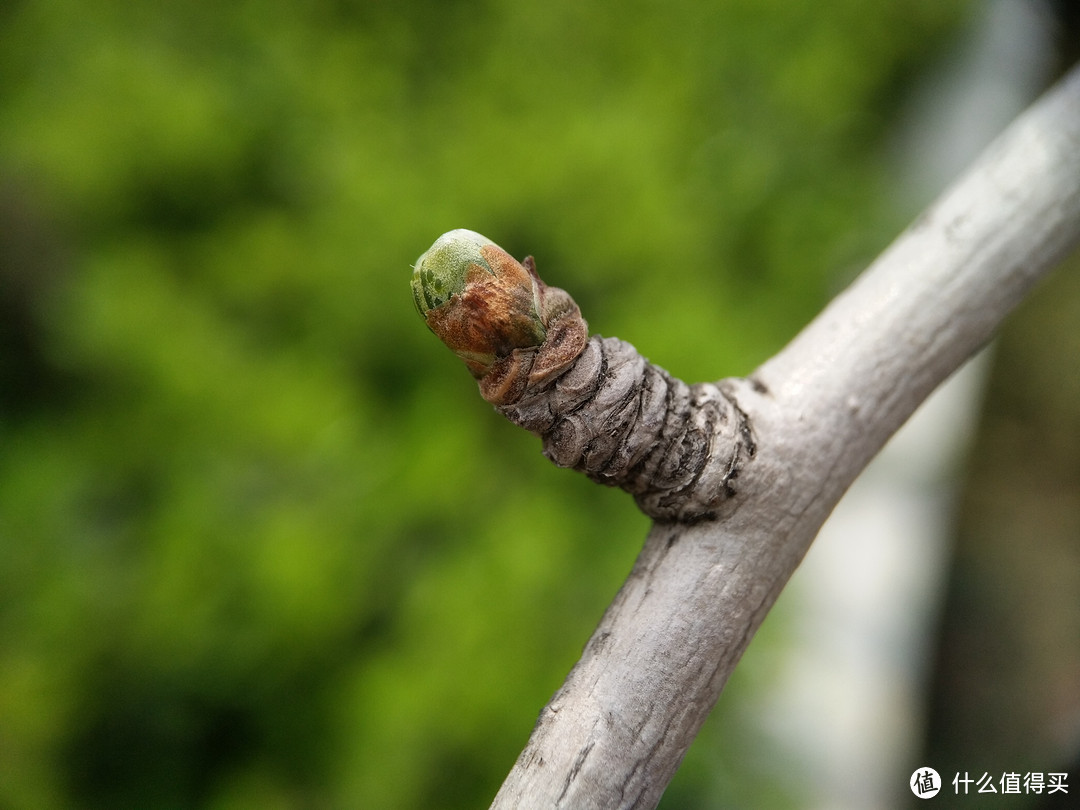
(478, 299)
(439, 273)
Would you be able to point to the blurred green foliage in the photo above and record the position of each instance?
(261, 543)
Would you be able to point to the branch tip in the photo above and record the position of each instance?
(599, 406)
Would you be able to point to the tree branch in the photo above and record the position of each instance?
(815, 414)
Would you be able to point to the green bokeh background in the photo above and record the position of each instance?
(262, 545)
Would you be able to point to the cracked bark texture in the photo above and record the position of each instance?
(714, 563)
(625, 422)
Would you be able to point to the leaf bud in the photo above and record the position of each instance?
(480, 301)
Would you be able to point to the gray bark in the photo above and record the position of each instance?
(614, 734)
(625, 422)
